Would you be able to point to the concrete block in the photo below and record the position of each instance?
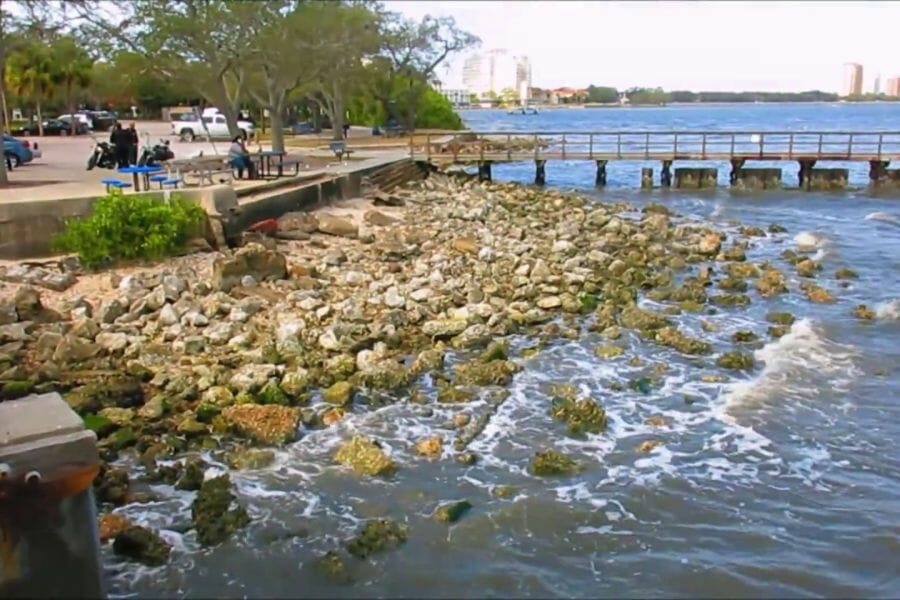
(890, 180)
(758, 179)
(48, 461)
(647, 178)
(828, 179)
(696, 177)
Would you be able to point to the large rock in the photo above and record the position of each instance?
(253, 260)
(142, 545)
(266, 424)
(72, 349)
(298, 221)
(29, 307)
(365, 457)
(378, 218)
(339, 226)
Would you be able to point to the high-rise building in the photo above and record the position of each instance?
(876, 87)
(495, 71)
(853, 79)
(893, 87)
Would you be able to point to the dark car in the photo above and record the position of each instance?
(53, 127)
(103, 120)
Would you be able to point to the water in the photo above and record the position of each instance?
(780, 483)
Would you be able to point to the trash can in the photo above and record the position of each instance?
(49, 543)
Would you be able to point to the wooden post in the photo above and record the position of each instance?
(508, 147)
(647, 146)
(591, 145)
(762, 138)
(484, 171)
(703, 148)
(600, 180)
(564, 147)
(665, 175)
(791, 146)
(850, 146)
(540, 176)
(619, 145)
(880, 136)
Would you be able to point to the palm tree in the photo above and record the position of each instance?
(30, 72)
(72, 71)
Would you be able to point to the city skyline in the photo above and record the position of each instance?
(698, 46)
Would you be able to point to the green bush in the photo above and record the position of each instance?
(436, 112)
(131, 227)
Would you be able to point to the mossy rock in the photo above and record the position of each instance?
(365, 457)
(744, 336)
(580, 416)
(587, 302)
(771, 282)
(191, 478)
(777, 331)
(453, 394)
(99, 425)
(608, 351)
(644, 385)
(377, 536)
(817, 294)
(504, 491)
(271, 393)
(387, 375)
(120, 439)
(731, 300)
(807, 268)
(551, 462)
(751, 231)
(495, 351)
(339, 394)
(206, 412)
(733, 284)
(334, 568)
(734, 253)
(780, 318)
(122, 392)
(691, 306)
(494, 372)
(636, 318)
(15, 389)
(863, 312)
(735, 360)
(250, 458)
(671, 337)
(452, 512)
(776, 228)
(466, 458)
(142, 545)
(689, 292)
(741, 269)
(214, 518)
(845, 273)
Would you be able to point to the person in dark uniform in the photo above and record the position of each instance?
(118, 138)
(133, 140)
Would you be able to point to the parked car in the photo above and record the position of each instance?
(189, 127)
(82, 118)
(53, 127)
(18, 151)
(103, 120)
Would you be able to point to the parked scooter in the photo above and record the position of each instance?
(102, 156)
(154, 155)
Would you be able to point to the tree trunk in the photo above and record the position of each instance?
(277, 122)
(337, 116)
(40, 120)
(7, 126)
(71, 105)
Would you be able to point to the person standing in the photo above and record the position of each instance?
(118, 138)
(133, 140)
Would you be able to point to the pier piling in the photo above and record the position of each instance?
(540, 175)
(805, 174)
(484, 171)
(600, 180)
(647, 178)
(665, 175)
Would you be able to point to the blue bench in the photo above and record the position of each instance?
(115, 184)
(159, 179)
(340, 150)
(171, 181)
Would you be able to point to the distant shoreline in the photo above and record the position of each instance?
(616, 105)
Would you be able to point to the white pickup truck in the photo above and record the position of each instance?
(213, 124)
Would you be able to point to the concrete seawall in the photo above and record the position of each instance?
(27, 228)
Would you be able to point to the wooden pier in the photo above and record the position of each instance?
(878, 148)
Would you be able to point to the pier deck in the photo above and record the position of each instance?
(878, 148)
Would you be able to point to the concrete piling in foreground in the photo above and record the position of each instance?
(695, 178)
(757, 179)
(600, 180)
(828, 179)
(540, 175)
(48, 524)
(647, 178)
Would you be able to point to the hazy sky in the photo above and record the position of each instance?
(758, 46)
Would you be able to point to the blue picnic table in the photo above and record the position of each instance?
(136, 173)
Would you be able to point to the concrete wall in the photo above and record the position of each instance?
(758, 179)
(695, 177)
(828, 179)
(890, 180)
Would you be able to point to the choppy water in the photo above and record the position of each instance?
(780, 483)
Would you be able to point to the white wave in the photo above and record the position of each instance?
(889, 310)
(791, 364)
(808, 242)
(885, 217)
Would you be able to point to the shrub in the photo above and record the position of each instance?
(131, 227)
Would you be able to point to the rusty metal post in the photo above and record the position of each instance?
(48, 523)
(600, 180)
(540, 176)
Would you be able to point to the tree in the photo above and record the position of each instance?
(71, 71)
(508, 96)
(602, 95)
(412, 52)
(31, 72)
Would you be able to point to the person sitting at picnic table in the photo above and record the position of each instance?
(239, 158)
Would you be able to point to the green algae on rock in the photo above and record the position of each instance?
(744, 336)
(551, 462)
(214, 517)
(780, 318)
(733, 284)
(332, 566)
(494, 372)
(777, 331)
(862, 311)
(608, 351)
(503, 491)
(741, 270)
(581, 416)
(339, 394)
(771, 282)
(735, 360)
(266, 424)
(452, 512)
(142, 545)
(671, 337)
(377, 536)
(845, 273)
(191, 478)
(249, 458)
(365, 457)
(453, 394)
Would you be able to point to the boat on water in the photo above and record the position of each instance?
(525, 110)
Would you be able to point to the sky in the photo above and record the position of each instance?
(698, 46)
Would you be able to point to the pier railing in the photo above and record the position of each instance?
(499, 146)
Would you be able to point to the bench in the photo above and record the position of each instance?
(340, 150)
(159, 179)
(117, 184)
(289, 161)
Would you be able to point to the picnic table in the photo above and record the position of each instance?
(265, 162)
(140, 174)
(204, 167)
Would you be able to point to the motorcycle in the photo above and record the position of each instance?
(153, 155)
(102, 156)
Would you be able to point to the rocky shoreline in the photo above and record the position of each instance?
(233, 353)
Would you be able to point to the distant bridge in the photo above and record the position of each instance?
(878, 148)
